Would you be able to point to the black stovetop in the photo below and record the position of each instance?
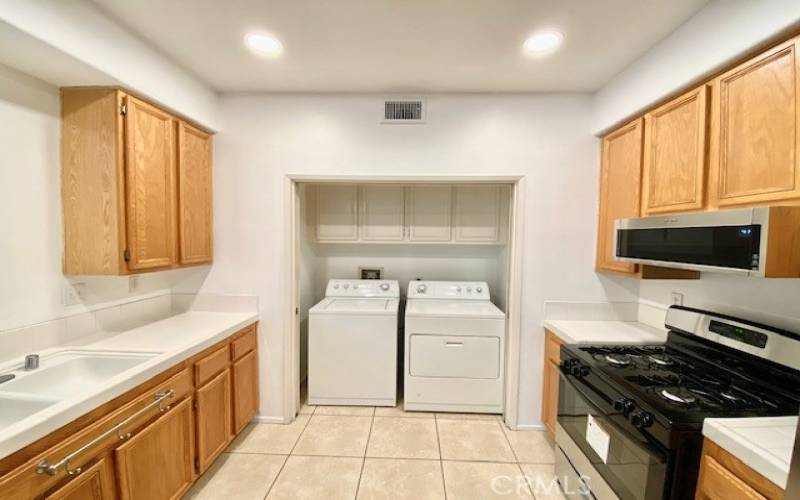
(681, 382)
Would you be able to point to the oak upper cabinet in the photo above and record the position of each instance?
(620, 181)
(150, 185)
(477, 213)
(429, 212)
(674, 174)
(119, 185)
(381, 212)
(94, 483)
(337, 212)
(158, 462)
(754, 153)
(195, 220)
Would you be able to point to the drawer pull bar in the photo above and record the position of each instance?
(454, 344)
(52, 470)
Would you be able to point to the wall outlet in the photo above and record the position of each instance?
(677, 299)
(73, 293)
(370, 273)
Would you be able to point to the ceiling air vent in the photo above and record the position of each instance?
(403, 111)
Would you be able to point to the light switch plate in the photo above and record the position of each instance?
(677, 299)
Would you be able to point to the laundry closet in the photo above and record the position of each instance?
(449, 240)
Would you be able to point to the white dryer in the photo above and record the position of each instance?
(352, 344)
(454, 348)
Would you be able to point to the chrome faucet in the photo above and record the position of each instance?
(31, 362)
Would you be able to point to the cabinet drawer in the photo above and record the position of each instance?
(454, 356)
(208, 367)
(718, 483)
(25, 483)
(244, 344)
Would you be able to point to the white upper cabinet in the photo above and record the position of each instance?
(429, 213)
(477, 213)
(337, 212)
(381, 212)
(470, 214)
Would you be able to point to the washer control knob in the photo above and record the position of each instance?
(458, 289)
(336, 286)
(355, 287)
(385, 287)
(346, 286)
(421, 288)
(479, 289)
(469, 289)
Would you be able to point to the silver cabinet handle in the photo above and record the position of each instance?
(51, 470)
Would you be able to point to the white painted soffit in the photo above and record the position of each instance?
(717, 35)
(71, 42)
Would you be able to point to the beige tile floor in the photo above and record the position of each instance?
(384, 453)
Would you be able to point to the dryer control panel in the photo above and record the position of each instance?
(454, 290)
(389, 289)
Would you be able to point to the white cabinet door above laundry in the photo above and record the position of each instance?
(429, 213)
(381, 212)
(477, 213)
(337, 212)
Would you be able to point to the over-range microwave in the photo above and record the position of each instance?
(761, 241)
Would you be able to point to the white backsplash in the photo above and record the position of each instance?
(590, 311)
(114, 317)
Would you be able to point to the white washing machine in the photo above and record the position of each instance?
(454, 348)
(352, 344)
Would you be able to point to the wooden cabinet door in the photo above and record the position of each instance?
(429, 213)
(477, 213)
(381, 212)
(245, 390)
(718, 483)
(674, 173)
(214, 421)
(755, 137)
(620, 183)
(337, 212)
(194, 195)
(150, 185)
(550, 396)
(94, 483)
(157, 463)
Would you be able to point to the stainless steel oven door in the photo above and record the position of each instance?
(632, 466)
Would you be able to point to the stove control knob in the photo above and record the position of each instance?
(567, 365)
(583, 371)
(385, 287)
(641, 419)
(624, 405)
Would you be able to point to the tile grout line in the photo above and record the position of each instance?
(519, 465)
(278, 475)
(441, 458)
(364, 458)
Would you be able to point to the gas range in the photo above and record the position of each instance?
(653, 398)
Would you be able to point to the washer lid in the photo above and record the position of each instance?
(338, 305)
(453, 309)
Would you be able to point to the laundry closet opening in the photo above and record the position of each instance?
(402, 297)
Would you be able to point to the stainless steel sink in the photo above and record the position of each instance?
(70, 372)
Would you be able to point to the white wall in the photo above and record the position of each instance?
(546, 138)
(30, 213)
(719, 33)
(76, 34)
(770, 301)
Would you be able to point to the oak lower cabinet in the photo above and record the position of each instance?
(94, 483)
(245, 390)
(550, 380)
(725, 477)
(755, 146)
(135, 185)
(158, 463)
(151, 443)
(214, 419)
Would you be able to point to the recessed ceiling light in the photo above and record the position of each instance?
(263, 44)
(543, 42)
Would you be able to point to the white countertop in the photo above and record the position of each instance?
(764, 443)
(606, 332)
(174, 339)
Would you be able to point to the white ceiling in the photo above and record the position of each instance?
(403, 46)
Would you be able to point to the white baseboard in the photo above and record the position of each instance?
(531, 427)
(261, 419)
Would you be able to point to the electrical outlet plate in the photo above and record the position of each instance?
(677, 299)
(370, 273)
(133, 283)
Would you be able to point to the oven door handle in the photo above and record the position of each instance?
(578, 384)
